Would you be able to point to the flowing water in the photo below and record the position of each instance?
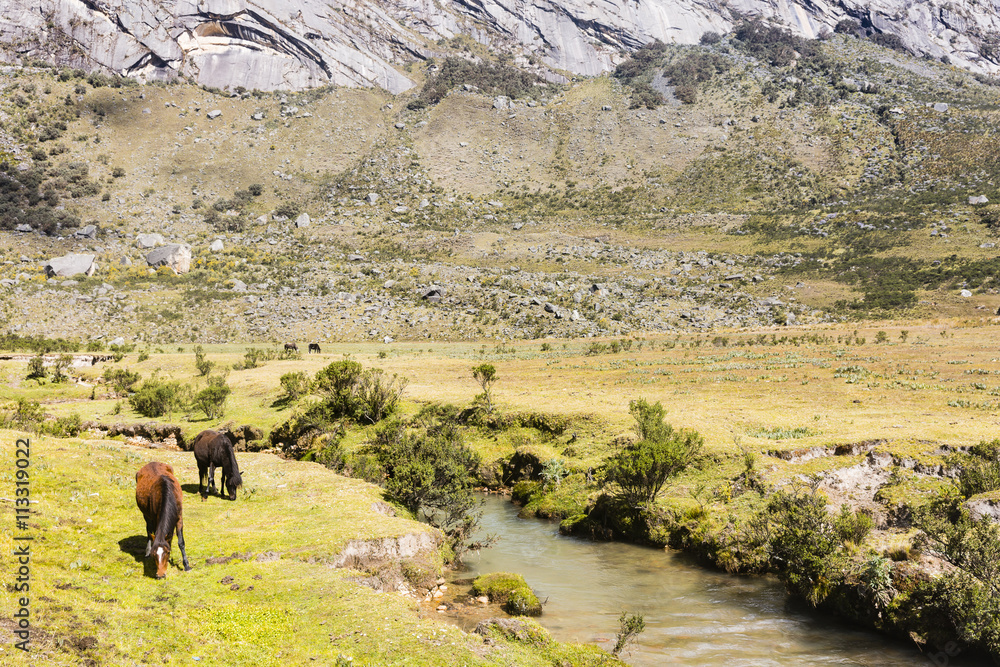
(694, 616)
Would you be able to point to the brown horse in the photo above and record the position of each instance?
(158, 495)
(314, 347)
(291, 347)
(212, 449)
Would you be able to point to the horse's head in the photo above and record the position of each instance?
(161, 552)
(233, 483)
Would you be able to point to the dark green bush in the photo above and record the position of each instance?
(212, 399)
(295, 385)
(491, 79)
(638, 472)
(121, 379)
(156, 398)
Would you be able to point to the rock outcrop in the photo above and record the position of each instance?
(268, 44)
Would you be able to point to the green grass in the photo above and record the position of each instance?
(88, 576)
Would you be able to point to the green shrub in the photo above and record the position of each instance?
(295, 385)
(853, 526)
(639, 471)
(156, 398)
(802, 543)
(203, 365)
(510, 591)
(63, 427)
(36, 367)
(121, 379)
(377, 395)
(212, 399)
(430, 471)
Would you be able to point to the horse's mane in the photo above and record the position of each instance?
(229, 452)
(169, 512)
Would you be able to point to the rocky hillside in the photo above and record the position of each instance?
(858, 180)
(268, 45)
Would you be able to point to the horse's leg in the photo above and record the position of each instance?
(203, 480)
(211, 477)
(150, 531)
(222, 481)
(180, 543)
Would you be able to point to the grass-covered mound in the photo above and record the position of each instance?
(279, 601)
(509, 590)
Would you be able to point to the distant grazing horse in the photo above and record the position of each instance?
(314, 347)
(212, 449)
(158, 495)
(291, 347)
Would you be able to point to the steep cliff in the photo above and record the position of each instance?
(270, 44)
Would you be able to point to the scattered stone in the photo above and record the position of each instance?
(303, 221)
(117, 341)
(217, 246)
(400, 209)
(24, 229)
(976, 200)
(239, 285)
(214, 113)
(501, 102)
(400, 126)
(372, 197)
(940, 107)
(965, 293)
(355, 258)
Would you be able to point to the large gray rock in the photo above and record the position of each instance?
(175, 256)
(70, 265)
(148, 240)
(303, 221)
(217, 246)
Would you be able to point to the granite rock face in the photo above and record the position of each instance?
(296, 44)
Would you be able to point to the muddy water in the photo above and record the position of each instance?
(694, 616)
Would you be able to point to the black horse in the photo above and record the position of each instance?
(212, 449)
(314, 347)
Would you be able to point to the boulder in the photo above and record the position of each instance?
(239, 286)
(303, 221)
(353, 257)
(88, 232)
(965, 293)
(117, 341)
(941, 107)
(176, 256)
(371, 197)
(70, 265)
(214, 113)
(501, 102)
(976, 200)
(217, 246)
(24, 229)
(148, 240)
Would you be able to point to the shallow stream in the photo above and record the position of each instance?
(694, 616)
